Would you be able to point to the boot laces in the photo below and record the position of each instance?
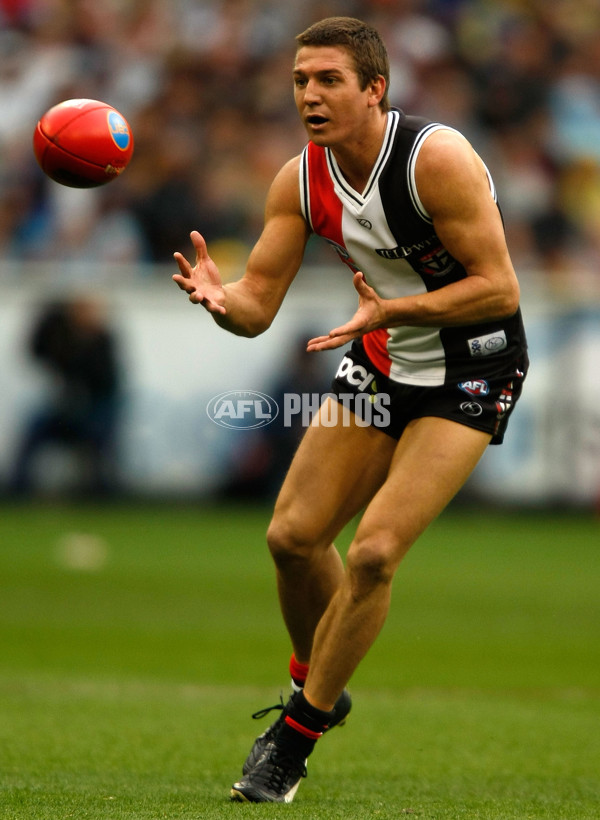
(284, 767)
(264, 712)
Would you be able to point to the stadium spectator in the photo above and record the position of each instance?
(217, 70)
(80, 412)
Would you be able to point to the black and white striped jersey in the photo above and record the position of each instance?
(386, 233)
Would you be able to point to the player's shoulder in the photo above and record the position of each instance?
(444, 150)
(449, 173)
(289, 171)
(284, 193)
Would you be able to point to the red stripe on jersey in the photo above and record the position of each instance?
(325, 206)
(375, 344)
(325, 210)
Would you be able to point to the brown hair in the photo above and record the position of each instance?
(362, 41)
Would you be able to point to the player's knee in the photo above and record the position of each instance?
(289, 541)
(371, 564)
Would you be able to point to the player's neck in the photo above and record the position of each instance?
(357, 159)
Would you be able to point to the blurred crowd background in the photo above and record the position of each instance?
(206, 87)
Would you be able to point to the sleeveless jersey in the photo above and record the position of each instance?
(386, 233)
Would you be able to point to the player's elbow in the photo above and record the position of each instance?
(251, 332)
(508, 300)
(256, 327)
(249, 327)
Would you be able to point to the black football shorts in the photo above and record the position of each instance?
(482, 399)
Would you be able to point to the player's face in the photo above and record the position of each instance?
(328, 97)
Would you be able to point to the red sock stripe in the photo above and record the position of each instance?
(302, 729)
(298, 671)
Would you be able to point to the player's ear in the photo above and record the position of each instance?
(376, 89)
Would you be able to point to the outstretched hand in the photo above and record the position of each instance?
(369, 316)
(203, 281)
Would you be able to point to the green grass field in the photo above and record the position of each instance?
(136, 642)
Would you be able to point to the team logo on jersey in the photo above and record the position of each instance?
(434, 259)
(402, 251)
(365, 224)
(437, 262)
(475, 387)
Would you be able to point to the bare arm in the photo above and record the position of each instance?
(454, 189)
(248, 306)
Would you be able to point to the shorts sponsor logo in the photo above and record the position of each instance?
(471, 408)
(475, 387)
(354, 374)
(242, 409)
(488, 345)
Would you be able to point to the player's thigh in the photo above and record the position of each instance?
(433, 459)
(335, 472)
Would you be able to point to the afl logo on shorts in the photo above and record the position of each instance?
(475, 387)
(119, 130)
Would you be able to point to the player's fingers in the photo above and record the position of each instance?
(179, 280)
(200, 298)
(360, 284)
(199, 244)
(351, 328)
(207, 304)
(317, 340)
(183, 265)
(329, 342)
